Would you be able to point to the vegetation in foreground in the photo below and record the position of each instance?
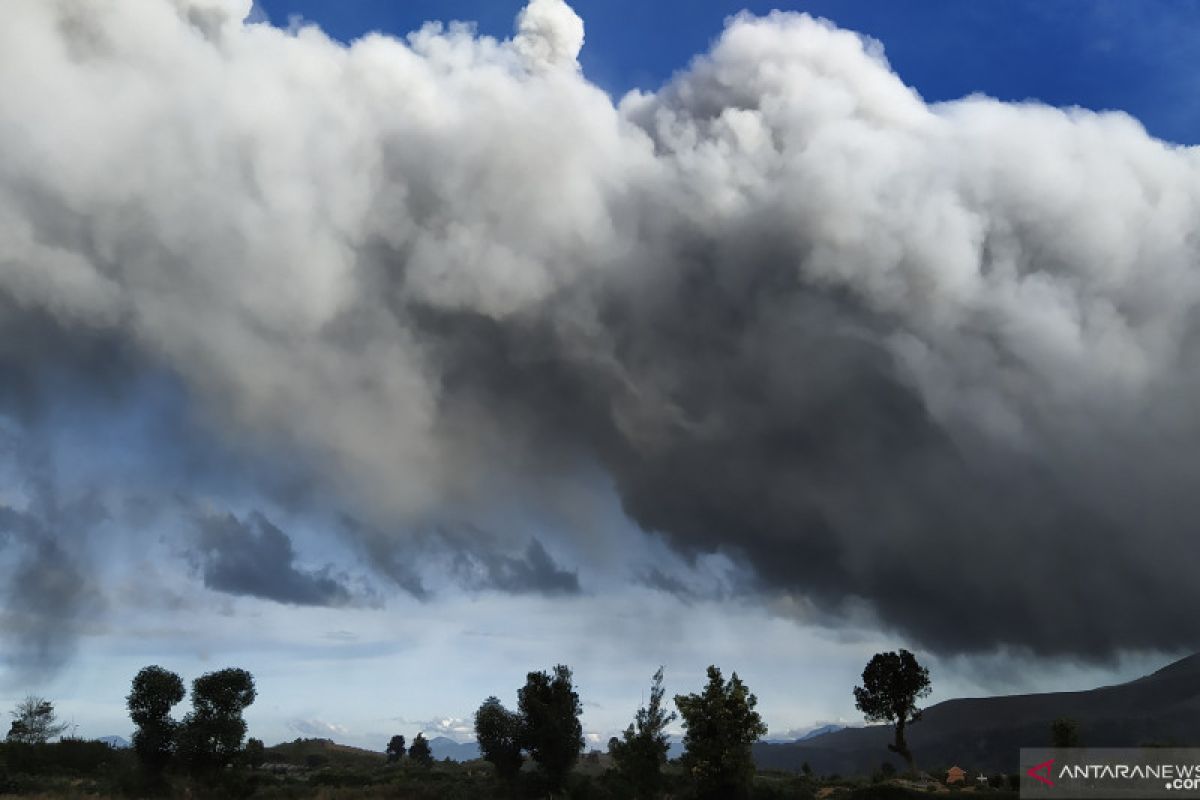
(322, 770)
(534, 751)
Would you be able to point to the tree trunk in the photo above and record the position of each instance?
(900, 748)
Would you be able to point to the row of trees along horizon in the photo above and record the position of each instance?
(720, 726)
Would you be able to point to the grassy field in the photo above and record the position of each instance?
(317, 769)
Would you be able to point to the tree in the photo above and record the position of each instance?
(1064, 732)
(499, 733)
(641, 753)
(892, 684)
(420, 752)
(155, 691)
(34, 721)
(255, 753)
(211, 735)
(553, 734)
(395, 749)
(721, 727)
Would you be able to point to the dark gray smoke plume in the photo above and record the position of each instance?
(937, 359)
(254, 557)
(49, 598)
(533, 572)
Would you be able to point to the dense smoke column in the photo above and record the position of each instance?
(937, 361)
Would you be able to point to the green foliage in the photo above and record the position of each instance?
(892, 684)
(338, 777)
(211, 735)
(499, 733)
(721, 726)
(1064, 732)
(420, 753)
(154, 692)
(641, 753)
(888, 791)
(886, 771)
(553, 734)
(34, 721)
(74, 757)
(255, 753)
(780, 787)
(228, 785)
(396, 748)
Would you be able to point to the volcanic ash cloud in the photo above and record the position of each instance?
(937, 358)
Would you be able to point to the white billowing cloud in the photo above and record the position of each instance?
(438, 266)
(549, 33)
(255, 209)
(214, 17)
(318, 728)
(457, 728)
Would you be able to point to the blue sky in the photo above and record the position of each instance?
(1139, 56)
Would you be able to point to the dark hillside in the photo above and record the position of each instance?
(987, 733)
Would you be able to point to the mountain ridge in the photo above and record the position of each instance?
(987, 733)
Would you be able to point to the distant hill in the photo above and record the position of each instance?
(987, 733)
(821, 731)
(326, 752)
(793, 737)
(443, 748)
(315, 753)
(115, 742)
